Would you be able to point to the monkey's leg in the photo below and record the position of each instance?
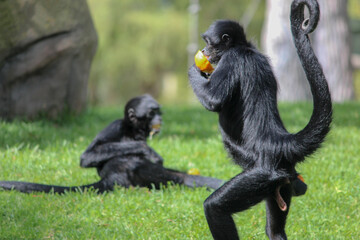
(196, 180)
(275, 217)
(149, 174)
(240, 193)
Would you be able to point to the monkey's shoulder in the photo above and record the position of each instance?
(113, 131)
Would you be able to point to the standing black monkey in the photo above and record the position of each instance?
(243, 90)
(122, 157)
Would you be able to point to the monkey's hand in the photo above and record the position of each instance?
(195, 71)
(153, 156)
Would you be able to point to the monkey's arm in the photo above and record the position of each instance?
(214, 91)
(98, 154)
(155, 157)
(108, 144)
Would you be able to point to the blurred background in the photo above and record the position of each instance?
(66, 55)
(145, 46)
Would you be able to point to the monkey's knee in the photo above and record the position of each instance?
(212, 208)
(220, 222)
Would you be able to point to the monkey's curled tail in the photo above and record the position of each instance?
(27, 187)
(311, 137)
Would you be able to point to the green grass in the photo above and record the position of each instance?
(48, 152)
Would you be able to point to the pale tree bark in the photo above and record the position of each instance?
(331, 42)
(278, 45)
(333, 48)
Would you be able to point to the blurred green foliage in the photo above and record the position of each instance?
(139, 41)
(354, 9)
(143, 45)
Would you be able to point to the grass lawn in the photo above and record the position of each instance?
(48, 152)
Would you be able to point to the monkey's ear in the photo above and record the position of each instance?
(131, 115)
(225, 37)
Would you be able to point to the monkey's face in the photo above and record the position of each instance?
(145, 115)
(212, 50)
(221, 36)
(155, 121)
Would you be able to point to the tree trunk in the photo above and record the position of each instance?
(331, 42)
(333, 48)
(278, 45)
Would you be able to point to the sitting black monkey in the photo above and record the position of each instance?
(243, 91)
(122, 157)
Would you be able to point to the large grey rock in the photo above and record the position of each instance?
(46, 49)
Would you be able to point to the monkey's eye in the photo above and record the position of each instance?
(206, 40)
(151, 114)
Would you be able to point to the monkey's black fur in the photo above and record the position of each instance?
(122, 157)
(243, 91)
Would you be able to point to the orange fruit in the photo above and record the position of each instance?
(193, 171)
(300, 178)
(202, 63)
